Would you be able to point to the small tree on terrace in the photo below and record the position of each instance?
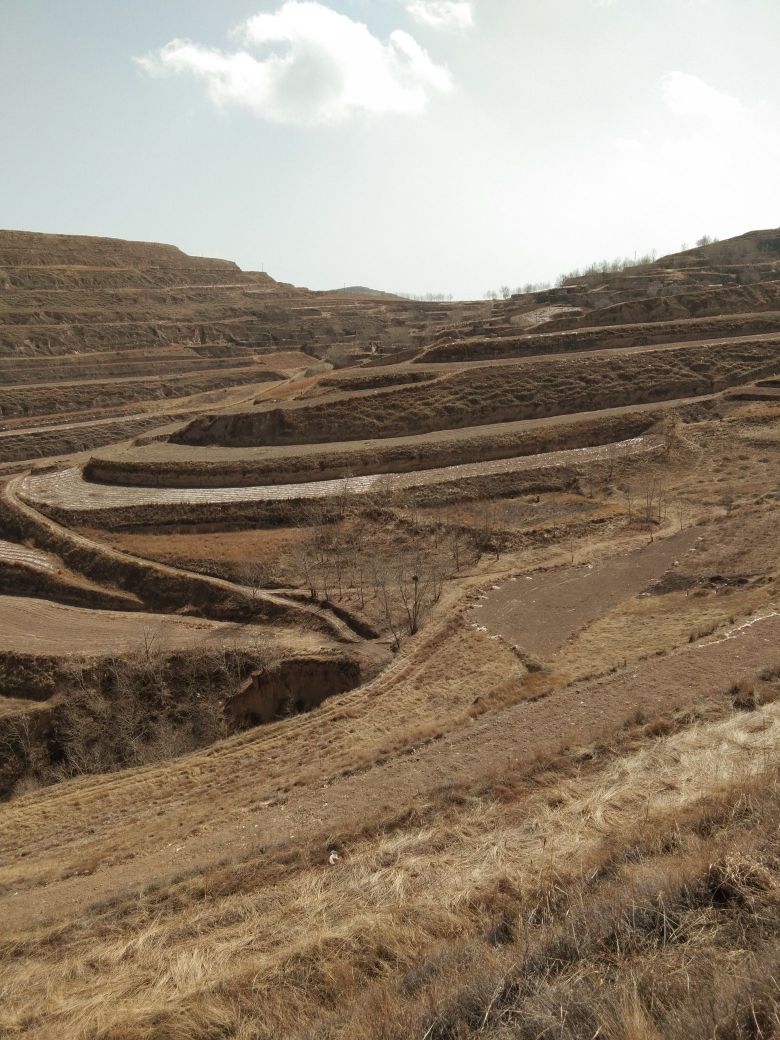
(489, 536)
(254, 575)
(458, 543)
(406, 588)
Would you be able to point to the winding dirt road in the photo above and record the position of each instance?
(70, 491)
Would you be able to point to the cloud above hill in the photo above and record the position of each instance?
(687, 95)
(305, 63)
(442, 14)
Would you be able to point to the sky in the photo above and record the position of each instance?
(415, 146)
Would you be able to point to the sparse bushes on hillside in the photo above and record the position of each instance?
(125, 712)
(615, 266)
(430, 297)
(599, 267)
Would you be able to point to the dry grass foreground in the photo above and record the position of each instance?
(634, 895)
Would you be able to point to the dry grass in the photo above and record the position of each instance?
(651, 625)
(426, 691)
(119, 712)
(615, 901)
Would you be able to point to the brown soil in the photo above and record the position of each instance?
(549, 388)
(162, 464)
(558, 791)
(539, 613)
(35, 626)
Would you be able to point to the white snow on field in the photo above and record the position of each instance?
(69, 490)
(10, 552)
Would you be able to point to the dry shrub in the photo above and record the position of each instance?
(124, 712)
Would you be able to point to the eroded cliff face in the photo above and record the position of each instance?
(290, 688)
(242, 429)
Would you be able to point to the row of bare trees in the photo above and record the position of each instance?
(354, 551)
(400, 574)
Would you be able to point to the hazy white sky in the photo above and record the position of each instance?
(409, 145)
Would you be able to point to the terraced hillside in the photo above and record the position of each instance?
(375, 669)
(143, 334)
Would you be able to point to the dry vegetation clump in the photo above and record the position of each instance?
(389, 566)
(636, 896)
(123, 712)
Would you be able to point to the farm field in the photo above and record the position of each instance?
(374, 668)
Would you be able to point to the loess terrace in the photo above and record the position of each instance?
(375, 669)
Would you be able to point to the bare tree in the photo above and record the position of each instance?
(628, 493)
(652, 503)
(254, 575)
(670, 432)
(412, 592)
(383, 589)
(458, 542)
(612, 458)
(682, 512)
(305, 566)
(346, 499)
(382, 488)
(489, 536)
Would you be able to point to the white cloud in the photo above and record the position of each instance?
(687, 95)
(442, 14)
(312, 65)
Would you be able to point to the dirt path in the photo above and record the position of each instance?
(243, 820)
(539, 613)
(277, 605)
(70, 491)
(39, 626)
